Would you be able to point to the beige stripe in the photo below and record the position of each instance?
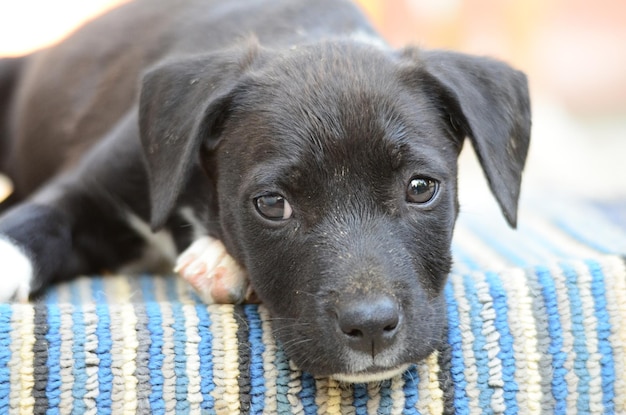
(129, 354)
(328, 396)
(269, 368)
(543, 339)
(22, 357)
(83, 287)
(66, 358)
(590, 324)
(226, 363)
(90, 321)
(194, 392)
(123, 349)
(614, 272)
(373, 392)
(295, 387)
(430, 394)
(565, 316)
(524, 331)
(92, 361)
(347, 400)
(397, 395)
(468, 339)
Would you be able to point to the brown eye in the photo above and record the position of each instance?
(421, 190)
(273, 207)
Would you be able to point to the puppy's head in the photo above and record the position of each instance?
(334, 170)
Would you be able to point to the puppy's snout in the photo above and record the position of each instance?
(369, 324)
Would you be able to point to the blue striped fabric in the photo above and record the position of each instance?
(537, 324)
(603, 331)
(5, 355)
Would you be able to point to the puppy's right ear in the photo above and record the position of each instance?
(182, 105)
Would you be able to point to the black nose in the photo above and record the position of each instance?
(369, 324)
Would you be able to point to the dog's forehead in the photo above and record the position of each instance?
(336, 126)
(340, 106)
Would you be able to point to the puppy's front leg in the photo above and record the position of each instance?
(213, 273)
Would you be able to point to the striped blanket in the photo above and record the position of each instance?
(537, 324)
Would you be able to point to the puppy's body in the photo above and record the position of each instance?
(323, 161)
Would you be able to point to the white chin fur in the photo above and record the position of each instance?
(16, 272)
(369, 377)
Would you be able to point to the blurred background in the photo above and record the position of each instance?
(574, 52)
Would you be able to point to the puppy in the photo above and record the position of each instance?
(274, 143)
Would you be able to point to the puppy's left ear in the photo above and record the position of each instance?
(182, 107)
(487, 101)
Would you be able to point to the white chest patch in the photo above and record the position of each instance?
(160, 252)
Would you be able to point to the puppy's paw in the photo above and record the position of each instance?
(16, 272)
(213, 273)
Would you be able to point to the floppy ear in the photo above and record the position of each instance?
(487, 101)
(182, 105)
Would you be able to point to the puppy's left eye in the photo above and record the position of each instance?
(273, 207)
(421, 190)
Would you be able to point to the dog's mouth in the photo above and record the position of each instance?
(370, 375)
(379, 350)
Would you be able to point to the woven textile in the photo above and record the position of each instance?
(546, 338)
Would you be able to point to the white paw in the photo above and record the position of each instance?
(212, 272)
(16, 272)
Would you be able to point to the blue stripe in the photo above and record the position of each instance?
(457, 364)
(555, 330)
(53, 337)
(180, 341)
(479, 344)
(604, 332)
(506, 353)
(360, 398)
(103, 351)
(205, 349)
(155, 328)
(79, 374)
(411, 395)
(257, 374)
(282, 381)
(307, 394)
(580, 338)
(386, 403)
(6, 313)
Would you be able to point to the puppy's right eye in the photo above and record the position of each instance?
(421, 190)
(273, 207)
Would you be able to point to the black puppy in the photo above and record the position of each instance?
(278, 142)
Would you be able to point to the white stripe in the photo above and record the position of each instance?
(524, 330)
(492, 337)
(565, 317)
(593, 363)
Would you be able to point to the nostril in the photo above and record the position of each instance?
(391, 326)
(354, 333)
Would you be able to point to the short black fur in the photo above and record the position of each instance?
(253, 98)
